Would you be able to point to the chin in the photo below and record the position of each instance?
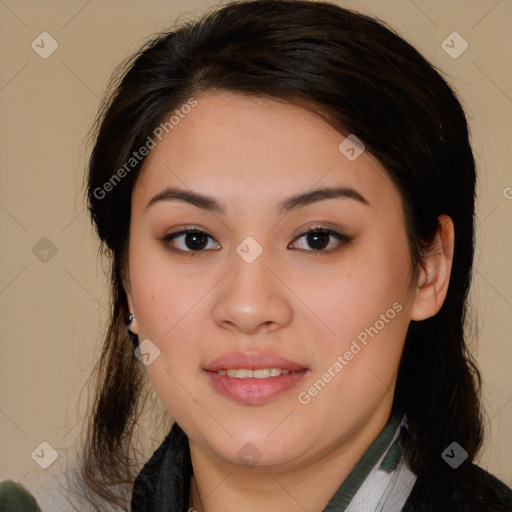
(259, 453)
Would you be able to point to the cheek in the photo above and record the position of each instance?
(162, 295)
(167, 315)
(354, 296)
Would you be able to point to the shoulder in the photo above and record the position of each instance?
(469, 488)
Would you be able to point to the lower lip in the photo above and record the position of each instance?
(254, 391)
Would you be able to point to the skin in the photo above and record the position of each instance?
(249, 154)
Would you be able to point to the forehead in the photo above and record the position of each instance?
(252, 148)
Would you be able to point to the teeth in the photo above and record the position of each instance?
(240, 374)
(261, 374)
(243, 373)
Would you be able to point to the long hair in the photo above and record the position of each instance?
(362, 78)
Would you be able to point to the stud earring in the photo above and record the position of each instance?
(129, 319)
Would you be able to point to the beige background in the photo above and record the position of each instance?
(52, 312)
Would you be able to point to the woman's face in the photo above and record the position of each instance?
(254, 293)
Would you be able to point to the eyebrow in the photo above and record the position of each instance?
(300, 200)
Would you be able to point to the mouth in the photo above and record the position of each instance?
(247, 373)
(253, 378)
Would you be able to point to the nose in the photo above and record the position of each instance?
(252, 297)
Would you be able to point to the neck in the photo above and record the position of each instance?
(218, 486)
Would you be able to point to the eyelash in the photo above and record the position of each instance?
(318, 229)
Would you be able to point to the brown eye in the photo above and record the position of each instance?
(195, 241)
(187, 241)
(319, 238)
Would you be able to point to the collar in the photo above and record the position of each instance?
(381, 481)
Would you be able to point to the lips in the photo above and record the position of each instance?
(243, 388)
(254, 361)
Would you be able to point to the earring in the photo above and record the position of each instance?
(129, 319)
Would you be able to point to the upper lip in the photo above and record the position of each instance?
(252, 361)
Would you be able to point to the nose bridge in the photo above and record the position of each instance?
(251, 294)
(251, 277)
(251, 256)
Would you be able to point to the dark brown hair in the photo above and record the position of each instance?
(363, 79)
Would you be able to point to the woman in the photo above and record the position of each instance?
(286, 190)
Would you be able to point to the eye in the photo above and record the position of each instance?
(189, 242)
(318, 239)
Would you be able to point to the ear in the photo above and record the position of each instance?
(131, 306)
(435, 276)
